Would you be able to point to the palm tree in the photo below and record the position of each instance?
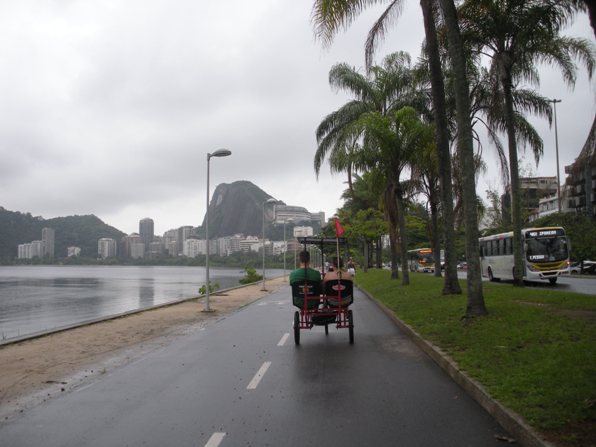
(425, 169)
(465, 145)
(389, 88)
(329, 16)
(391, 143)
(341, 134)
(516, 35)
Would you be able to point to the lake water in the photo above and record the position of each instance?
(40, 298)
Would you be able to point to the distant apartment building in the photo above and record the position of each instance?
(170, 242)
(155, 248)
(235, 243)
(296, 214)
(48, 236)
(224, 246)
(194, 247)
(146, 231)
(137, 250)
(73, 251)
(38, 249)
(303, 231)
(184, 233)
(127, 242)
(580, 192)
(279, 247)
(248, 243)
(30, 250)
(106, 248)
(532, 190)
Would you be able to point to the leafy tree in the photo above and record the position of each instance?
(516, 35)
(391, 144)
(465, 149)
(329, 16)
(367, 226)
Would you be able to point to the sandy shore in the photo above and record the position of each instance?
(36, 370)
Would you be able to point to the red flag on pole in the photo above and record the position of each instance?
(339, 231)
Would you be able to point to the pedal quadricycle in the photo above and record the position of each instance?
(323, 299)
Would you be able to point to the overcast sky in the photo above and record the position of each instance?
(110, 107)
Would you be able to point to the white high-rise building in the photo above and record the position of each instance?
(47, 237)
(73, 251)
(193, 247)
(146, 231)
(137, 250)
(106, 248)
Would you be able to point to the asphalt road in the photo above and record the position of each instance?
(585, 284)
(241, 381)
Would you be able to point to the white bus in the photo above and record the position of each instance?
(545, 250)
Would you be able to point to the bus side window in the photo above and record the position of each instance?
(509, 246)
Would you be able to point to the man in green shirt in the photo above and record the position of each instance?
(304, 272)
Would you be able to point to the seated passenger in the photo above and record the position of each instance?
(303, 275)
(337, 272)
(304, 271)
(338, 284)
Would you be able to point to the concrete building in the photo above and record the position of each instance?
(303, 231)
(581, 178)
(184, 233)
(146, 231)
(194, 247)
(296, 214)
(106, 248)
(532, 190)
(170, 242)
(48, 236)
(73, 251)
(137, 250)
(127, 242)
(30, 250)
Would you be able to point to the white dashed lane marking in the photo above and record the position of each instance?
(283, 339)
(215, 439)
(254, 383)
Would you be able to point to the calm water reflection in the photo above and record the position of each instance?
(36, 298)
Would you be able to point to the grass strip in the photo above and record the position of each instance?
(535, 352)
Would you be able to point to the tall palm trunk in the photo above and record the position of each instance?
(451, 283)
(518, 271)
(403, 239)
(379, 253)
(465, 145)
(434, 228)
(391, 216)
(366, 246)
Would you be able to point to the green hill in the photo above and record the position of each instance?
(80, 231)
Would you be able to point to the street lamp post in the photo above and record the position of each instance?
(270, 200)
(555, 101)
(217, 153)
(285, 246)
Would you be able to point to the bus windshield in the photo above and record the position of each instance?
(547, 249)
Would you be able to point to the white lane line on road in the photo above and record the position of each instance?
(283, 339)
(258, 376)
(215, 439)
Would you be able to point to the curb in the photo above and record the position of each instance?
(509, 420)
